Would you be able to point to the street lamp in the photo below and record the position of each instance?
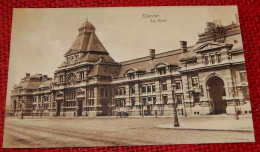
(235, 104)
(176, 121)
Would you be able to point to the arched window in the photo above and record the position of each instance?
(130, 73)
(161, 68)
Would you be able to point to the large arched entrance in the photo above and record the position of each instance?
(216, 90)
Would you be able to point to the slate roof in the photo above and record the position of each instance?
(34, 82)
(47, 83)
(29, 85)
(101, 69)
(87, 42)
(174, 57)
(146, 63)
(94, 57)
(86, 24)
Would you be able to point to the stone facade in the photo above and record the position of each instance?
(206, 78)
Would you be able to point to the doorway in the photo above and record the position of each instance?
(105, 107)
(80, 108)
(58, 108)
(216, 92)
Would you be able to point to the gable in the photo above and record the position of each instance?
(211, 46)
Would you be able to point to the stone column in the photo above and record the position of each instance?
(185, 87)
(137, 92)
(127, 95)
(169, 90)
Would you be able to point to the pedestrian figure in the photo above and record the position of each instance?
(74, 113)
(155, 113)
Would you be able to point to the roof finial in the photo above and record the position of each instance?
(86, 18)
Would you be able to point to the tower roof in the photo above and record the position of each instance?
(87, 40)
(86, 24)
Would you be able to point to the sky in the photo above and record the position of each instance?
(40, 37)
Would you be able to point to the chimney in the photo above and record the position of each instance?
(152, 53)
(183, 46)
(27, 75)
(45, 77)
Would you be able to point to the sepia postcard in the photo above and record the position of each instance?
(84, 77)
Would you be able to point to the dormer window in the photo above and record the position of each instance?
(162, 70)
(131, 75)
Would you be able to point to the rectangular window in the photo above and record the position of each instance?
(195, 81)
(132, 101)
(196, 97)
(164, 86)
(178, 85)
(124, 91)
(149, 89)
(91, 102)
(61, 79)
(82, 75)
(179, 99)
(165, 99)
(153, 87)
(144, 100)
(120, 91)
(206, 59)
(91, 93)
(122, 103)
(154, 100)
(116, 91)
(212, 59)
(149, 99)
(243, 76)
(143, 89)
(132, 88)
(218, 57)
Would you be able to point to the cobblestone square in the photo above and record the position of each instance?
(112, 131)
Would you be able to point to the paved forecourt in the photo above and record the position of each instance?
(111, 131)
